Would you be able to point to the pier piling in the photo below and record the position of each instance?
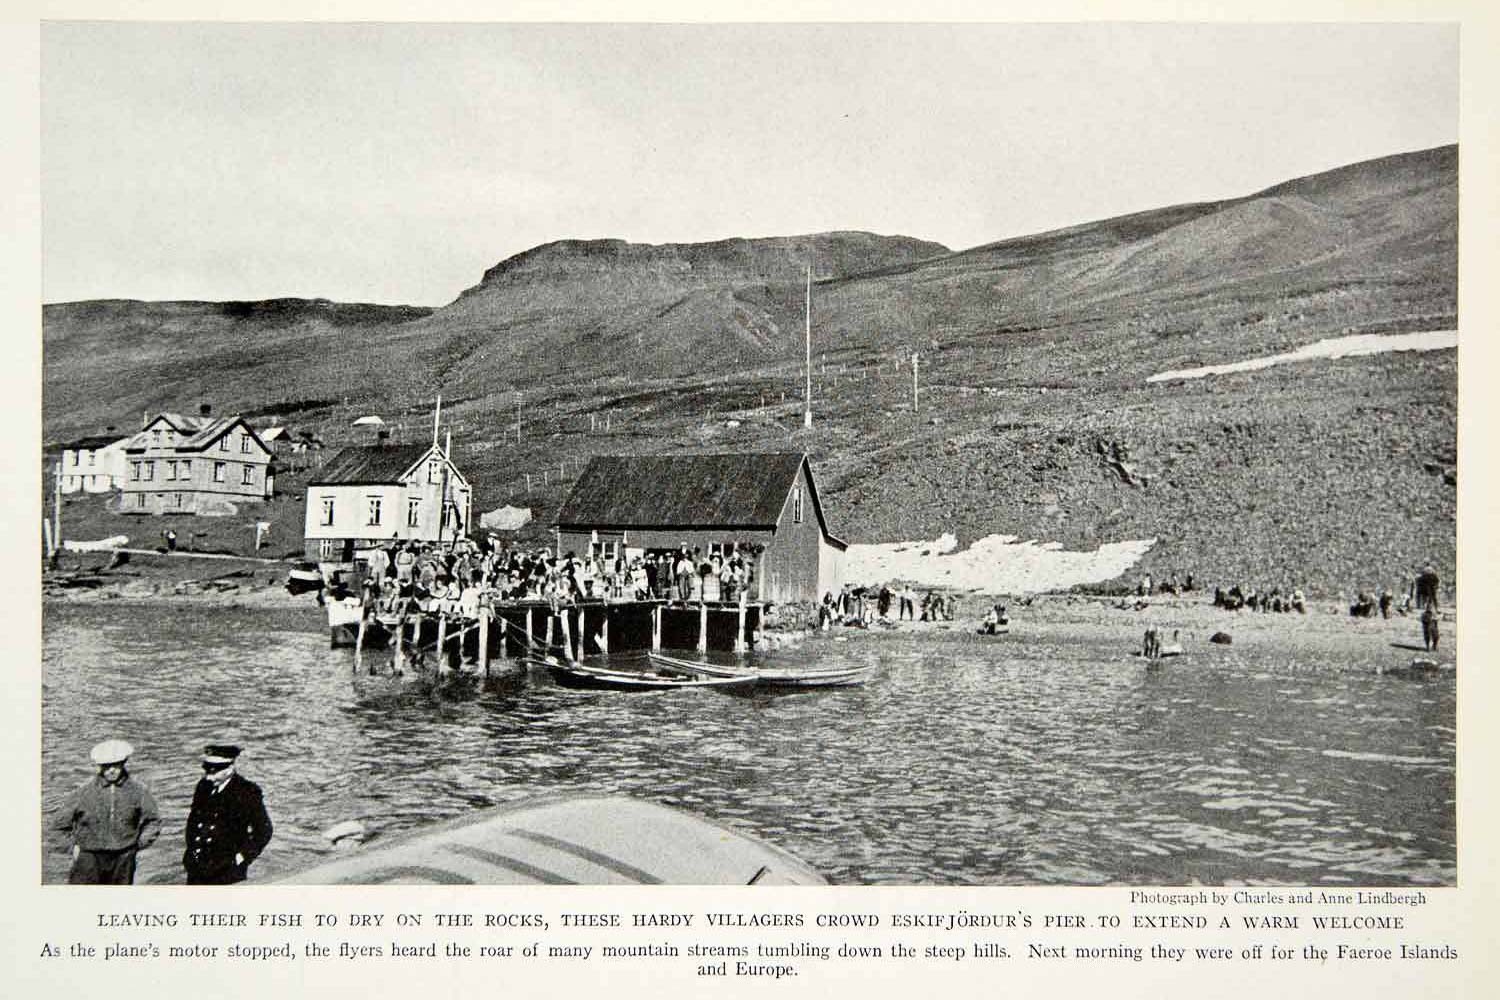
(484, 641)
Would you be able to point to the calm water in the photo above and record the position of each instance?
(1015, 762)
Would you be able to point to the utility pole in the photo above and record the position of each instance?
(807, 408)
(57, 538)
(914, 381)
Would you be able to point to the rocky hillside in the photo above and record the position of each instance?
(1034, 354)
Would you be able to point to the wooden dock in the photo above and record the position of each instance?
(514, 629)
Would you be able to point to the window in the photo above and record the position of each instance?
(135, 470)
(797, 505)
(91, 458)
(244, 444)
(413, 512)
(327, 512)
(434, 471)
(156, 438)
(218, 472)
(176, 499)
(328, 548)
(184, 470)
(171, 470)
(224, 443)
(140, 499)
(247, 475)
(148, 470)
(372, 509)
(75, 458)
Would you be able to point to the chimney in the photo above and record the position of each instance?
(205, 410)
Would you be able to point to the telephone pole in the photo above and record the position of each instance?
(807, 397)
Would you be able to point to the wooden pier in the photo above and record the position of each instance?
(513, 629)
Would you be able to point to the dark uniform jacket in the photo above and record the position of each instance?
(219, 826)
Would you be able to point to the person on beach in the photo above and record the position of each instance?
(990, 622)
(228, 826)
(1430, 628)
(1386, 599)
(1427, 587)
(109, 818)
(825, 612)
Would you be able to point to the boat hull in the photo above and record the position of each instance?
(589, 678)
(568, 840)
(770, 679)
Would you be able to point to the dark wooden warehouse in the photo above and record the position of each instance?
(766, 504)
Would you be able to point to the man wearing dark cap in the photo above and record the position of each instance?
(109, 818)
(227, 827)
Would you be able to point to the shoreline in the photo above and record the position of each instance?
(1326, 633)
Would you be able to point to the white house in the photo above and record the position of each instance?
(373, 494)
(94, 464)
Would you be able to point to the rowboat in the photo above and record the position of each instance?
(575, 675)
(833, 677)
(567, 840)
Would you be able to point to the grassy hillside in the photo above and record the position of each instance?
(1034, 354)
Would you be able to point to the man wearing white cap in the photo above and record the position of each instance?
(228, 826)
(109, 818)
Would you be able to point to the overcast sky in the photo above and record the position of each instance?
(395, 163)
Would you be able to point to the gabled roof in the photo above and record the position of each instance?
(375, 465)
(181, 424)
(201, 432)
(207, 434)
(93, 442)
(746, 490)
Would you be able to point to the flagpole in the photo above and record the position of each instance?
(807, 397)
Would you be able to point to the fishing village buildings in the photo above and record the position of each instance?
(764, 505)
(366, 495)
(195, 465)
(93, 464)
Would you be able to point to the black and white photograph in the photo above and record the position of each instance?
(852, 454)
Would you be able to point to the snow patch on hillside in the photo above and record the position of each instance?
(1335, 347)
(996, 564)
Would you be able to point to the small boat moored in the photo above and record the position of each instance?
(577, 675)
(834, 677)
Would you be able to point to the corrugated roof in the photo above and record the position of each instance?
(368, 464)
(680, 491)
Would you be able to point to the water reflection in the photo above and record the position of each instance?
(1016, 763)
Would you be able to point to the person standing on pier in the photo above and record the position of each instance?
(109, 818)
(228, 826)
(685, 574)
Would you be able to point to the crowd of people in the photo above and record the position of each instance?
(455, 579)
(866, 605)
(1146, 587)
(1250, 599)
